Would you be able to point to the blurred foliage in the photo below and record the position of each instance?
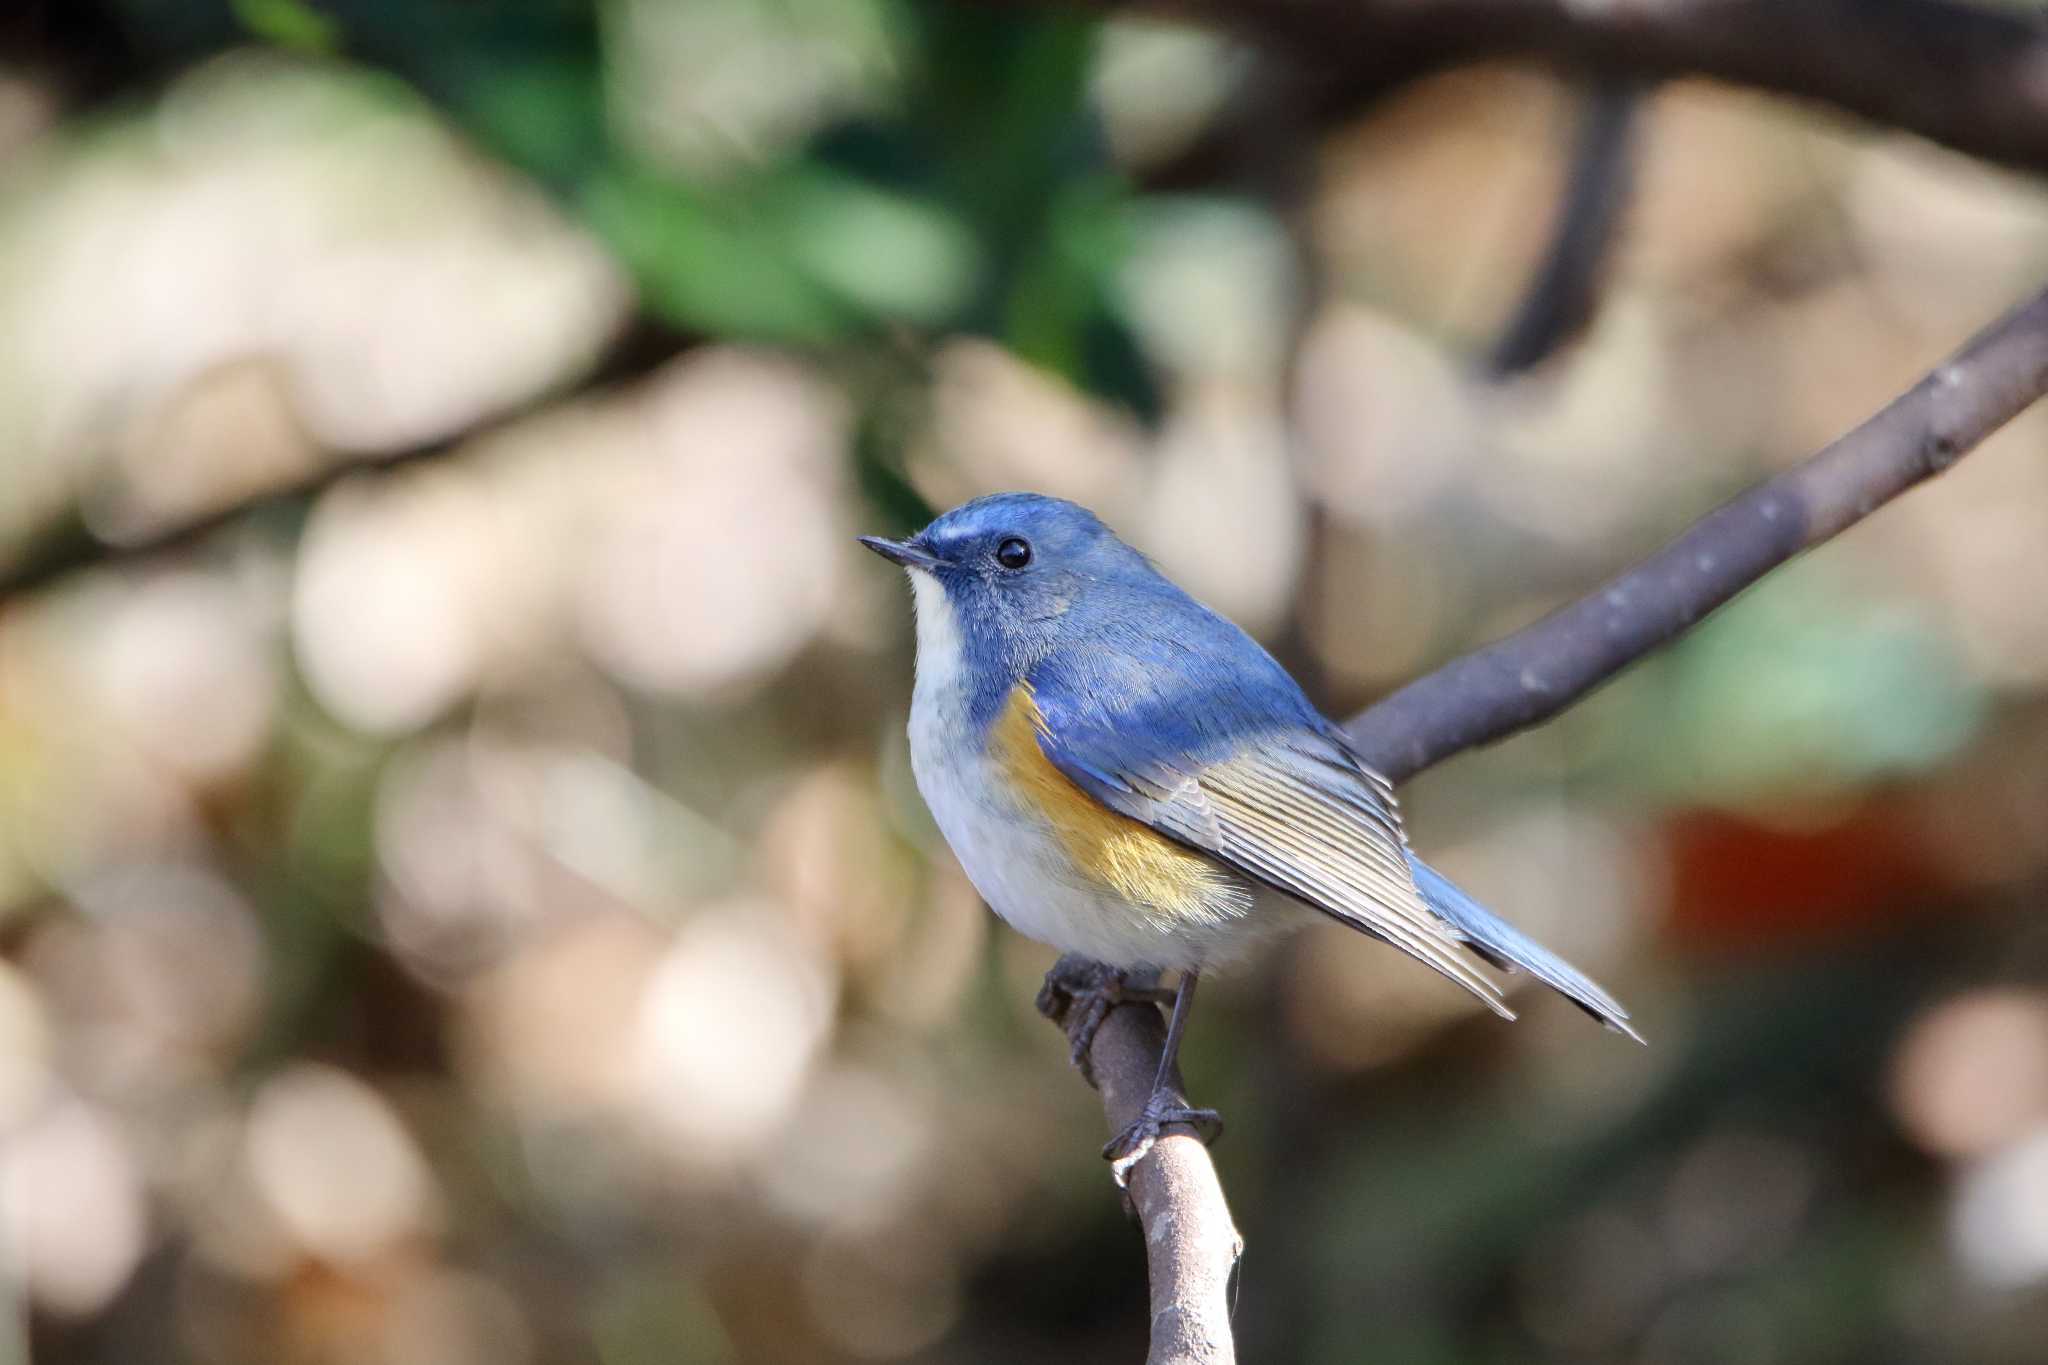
(480, 912)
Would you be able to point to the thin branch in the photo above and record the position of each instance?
(1191, 1243)
(1972, 77)
(1532, 675)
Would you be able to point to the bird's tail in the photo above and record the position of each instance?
(1509, 948)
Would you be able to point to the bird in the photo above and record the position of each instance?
(1129, 777)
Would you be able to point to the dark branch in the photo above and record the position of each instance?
(1972, 77)
(1532, 675)
(1560, 297)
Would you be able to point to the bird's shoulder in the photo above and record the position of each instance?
(1159, 678)
(1180, 728)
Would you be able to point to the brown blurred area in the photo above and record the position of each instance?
(477, 912)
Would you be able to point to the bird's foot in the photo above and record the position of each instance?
(1075, 983)
(1163, 1109)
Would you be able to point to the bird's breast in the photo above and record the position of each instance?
(1047, 857)
(1159, 877)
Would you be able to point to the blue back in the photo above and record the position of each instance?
(1151, 676)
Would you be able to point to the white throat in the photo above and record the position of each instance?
(939, 658)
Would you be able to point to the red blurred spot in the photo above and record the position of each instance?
(1740, 885)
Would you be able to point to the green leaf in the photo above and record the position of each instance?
(701, 263)
(1064, 311)
(1004, 96)
(885, 253)
(544, 114)
(289, 23)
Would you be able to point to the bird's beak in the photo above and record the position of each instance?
(901, 552)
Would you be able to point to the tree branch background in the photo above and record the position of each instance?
(475, 908)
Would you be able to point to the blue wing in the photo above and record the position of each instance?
(1199, 734)
(1506, 946)
(1228, 758)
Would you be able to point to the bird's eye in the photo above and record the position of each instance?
(1013, 553)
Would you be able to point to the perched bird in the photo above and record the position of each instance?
(1128, 776)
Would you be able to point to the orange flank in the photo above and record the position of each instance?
(1159, 877)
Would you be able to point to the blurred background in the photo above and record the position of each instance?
(462, 896)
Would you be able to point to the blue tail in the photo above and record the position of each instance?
(1508, 947)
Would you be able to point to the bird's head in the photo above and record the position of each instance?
(1003, 574)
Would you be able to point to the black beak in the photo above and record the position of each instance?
(901, 552)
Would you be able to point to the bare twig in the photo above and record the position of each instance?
(1191, 1244)
(1536, 673)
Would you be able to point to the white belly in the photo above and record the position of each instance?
(1011, 853)
(1020, 868)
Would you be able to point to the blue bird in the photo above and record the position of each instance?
(1126, 775)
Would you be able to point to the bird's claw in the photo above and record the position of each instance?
(1074, 983)
(1163, 1109)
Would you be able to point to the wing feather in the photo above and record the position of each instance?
(1291, 809)
(1324, 849)
(1177, 719)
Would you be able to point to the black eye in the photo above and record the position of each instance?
(1013, 553)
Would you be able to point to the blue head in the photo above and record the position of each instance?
(1008, 579)
(1018, 587)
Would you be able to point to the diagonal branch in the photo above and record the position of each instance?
(1533, 675)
